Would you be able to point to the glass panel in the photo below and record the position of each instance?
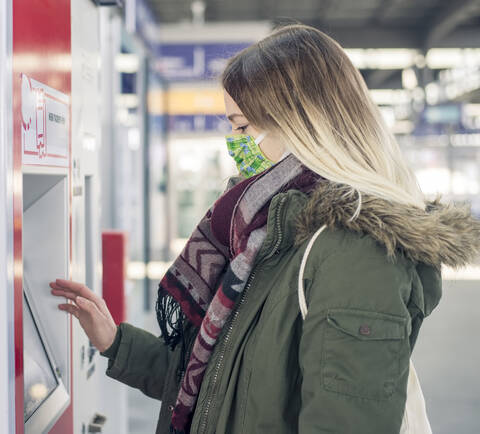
(38, 374)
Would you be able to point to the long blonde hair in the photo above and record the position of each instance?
(300, 84)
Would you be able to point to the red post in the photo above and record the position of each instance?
(114, 259)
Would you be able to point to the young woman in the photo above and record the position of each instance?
(236, 355)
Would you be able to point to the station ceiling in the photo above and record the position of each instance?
(376, 24)
(420, 24)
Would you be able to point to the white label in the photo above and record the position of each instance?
(45, 124)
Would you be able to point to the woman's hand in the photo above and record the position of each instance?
(90, 310)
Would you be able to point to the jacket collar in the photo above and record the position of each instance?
(281, 221)
(440, 234)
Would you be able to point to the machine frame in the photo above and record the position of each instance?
(45, 416)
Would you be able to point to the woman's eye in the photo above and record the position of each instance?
(242, 129)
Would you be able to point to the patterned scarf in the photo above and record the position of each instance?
(206, 279)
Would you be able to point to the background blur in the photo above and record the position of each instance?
(165, 160)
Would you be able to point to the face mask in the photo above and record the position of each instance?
(248, 156)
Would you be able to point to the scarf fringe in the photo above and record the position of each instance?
(170, 318)
(171, 321)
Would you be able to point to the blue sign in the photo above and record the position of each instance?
(191, 123)
(440, 119)
(198, 123)
(180, 62)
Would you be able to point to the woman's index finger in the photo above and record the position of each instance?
(75, 287)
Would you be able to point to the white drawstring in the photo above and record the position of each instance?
(301, 294)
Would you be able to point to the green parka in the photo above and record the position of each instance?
(369, 283)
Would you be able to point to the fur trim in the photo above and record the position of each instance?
(442, 234)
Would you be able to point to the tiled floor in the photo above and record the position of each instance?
(447, 360)
(142, 410)
(142, 413)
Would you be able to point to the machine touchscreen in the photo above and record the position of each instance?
(39, 377)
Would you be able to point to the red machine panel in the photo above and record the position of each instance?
(41, 51)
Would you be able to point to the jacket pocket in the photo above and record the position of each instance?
(361, 352)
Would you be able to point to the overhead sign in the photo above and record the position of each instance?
(191, 123)
(198, 123)
(45, 124)
(205, 61)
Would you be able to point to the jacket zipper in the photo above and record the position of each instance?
(235, 315)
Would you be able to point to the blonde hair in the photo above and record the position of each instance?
(300, 84)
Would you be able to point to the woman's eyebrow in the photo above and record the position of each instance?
(230, 117)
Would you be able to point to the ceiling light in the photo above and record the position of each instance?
(409, 79)
(394, 58)
(127, 63)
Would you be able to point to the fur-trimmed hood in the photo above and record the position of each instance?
(442, 234)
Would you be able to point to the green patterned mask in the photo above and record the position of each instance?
(248, 156)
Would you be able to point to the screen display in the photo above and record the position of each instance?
(39, 378)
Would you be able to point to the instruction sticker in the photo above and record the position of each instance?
(45, 124)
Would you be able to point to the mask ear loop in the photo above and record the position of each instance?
(260, 137)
